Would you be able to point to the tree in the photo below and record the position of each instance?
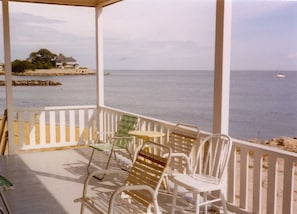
(20, 66)
(43, 59)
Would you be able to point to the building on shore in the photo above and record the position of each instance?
(66, 62)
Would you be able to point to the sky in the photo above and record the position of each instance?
(159, 34)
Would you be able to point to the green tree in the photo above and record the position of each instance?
(20, 66)
(42, 59)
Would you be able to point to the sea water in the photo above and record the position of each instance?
(262, 105)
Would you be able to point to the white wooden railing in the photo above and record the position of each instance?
(260, 179)
(49, 127)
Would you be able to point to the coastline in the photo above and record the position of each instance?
(54, 72)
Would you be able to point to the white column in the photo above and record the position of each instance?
(8, 74)
(99, 66)
(222, 67)
(99, 57)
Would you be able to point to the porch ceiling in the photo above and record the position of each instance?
(86, 3)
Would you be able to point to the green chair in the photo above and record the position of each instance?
(5, 184)
(118, 143)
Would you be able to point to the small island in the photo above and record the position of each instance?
(44, 63)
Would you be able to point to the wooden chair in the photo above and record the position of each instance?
(138, 193)
(118, 143)
(212, 159)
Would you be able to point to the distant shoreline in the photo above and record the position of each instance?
(55, 72)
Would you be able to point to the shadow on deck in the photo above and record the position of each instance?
(48, 182)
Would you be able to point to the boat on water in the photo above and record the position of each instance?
(280, 75)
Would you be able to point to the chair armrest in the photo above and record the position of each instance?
(183, 156)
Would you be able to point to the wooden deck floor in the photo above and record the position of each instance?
(47, 182)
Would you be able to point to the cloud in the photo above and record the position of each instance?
(34, 26)
(158, 34)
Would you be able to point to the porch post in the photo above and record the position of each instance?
(99, 57)
(8, 74)
(99, 66)
(222, 67)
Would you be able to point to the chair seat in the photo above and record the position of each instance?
(195, 183)
(5, 184)
(103, 146)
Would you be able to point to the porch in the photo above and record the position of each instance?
(260, 179)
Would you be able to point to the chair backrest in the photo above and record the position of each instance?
(127, 123)
(212, 157)
(148, 169)
(184, 139)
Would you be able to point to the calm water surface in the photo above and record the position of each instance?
(261, 105)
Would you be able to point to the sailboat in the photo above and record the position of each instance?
(280, 75)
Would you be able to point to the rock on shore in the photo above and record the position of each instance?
(57, 72)
(281, 142)
(31, 83)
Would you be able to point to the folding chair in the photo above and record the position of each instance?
(5, 184)
(138, 193)
(118, 143)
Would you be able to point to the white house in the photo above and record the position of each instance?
(66, 62)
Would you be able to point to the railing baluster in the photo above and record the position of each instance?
(21, 129)
(52, 124)
(90, 125)
(232, 176)
(272, 184)
(288, 187)
(62, 120)
(42, 128)
(72, 125)
(243, 179)
(32, 135)
(81, 125)
(257, 184)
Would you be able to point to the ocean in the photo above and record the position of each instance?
(262, 105)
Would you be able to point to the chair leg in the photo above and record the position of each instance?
(90, 161)
(5, 203)
(82, 208)
(174, 198)
(197, 205)
(224, 203)
(205, 199)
